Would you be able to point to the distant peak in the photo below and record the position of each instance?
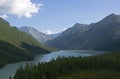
(78, 24)
(26, 26)
(113, 15)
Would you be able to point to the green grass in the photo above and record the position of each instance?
(18, 46)
(102, 74)
(13, 36)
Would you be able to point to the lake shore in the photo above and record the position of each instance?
(10, 69)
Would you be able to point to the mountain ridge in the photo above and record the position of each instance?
(98, 36)
(39, 36)
(18, 46)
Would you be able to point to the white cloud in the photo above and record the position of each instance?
(4, 16)
(49, 32)
(21, 8)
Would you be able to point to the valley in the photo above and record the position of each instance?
(69, 41)
(10, 69)
(16, 46)
(79, 50)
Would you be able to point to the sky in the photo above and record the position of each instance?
(53, 16)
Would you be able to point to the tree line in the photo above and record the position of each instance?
(64, 66)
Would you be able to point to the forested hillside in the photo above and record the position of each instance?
(18, 46)
(106, 66)
(10, 54)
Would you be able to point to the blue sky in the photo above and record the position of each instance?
(57, 15)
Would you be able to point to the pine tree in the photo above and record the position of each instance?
(10, 77)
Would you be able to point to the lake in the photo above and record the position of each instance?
(10, 69)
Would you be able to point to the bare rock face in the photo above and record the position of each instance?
(39, 36)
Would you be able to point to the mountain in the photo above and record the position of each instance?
(64, 40)
(103, 35)
(55, 35)
(17, 46)
(39, 36)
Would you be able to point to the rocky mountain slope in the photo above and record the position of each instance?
(103, 35)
